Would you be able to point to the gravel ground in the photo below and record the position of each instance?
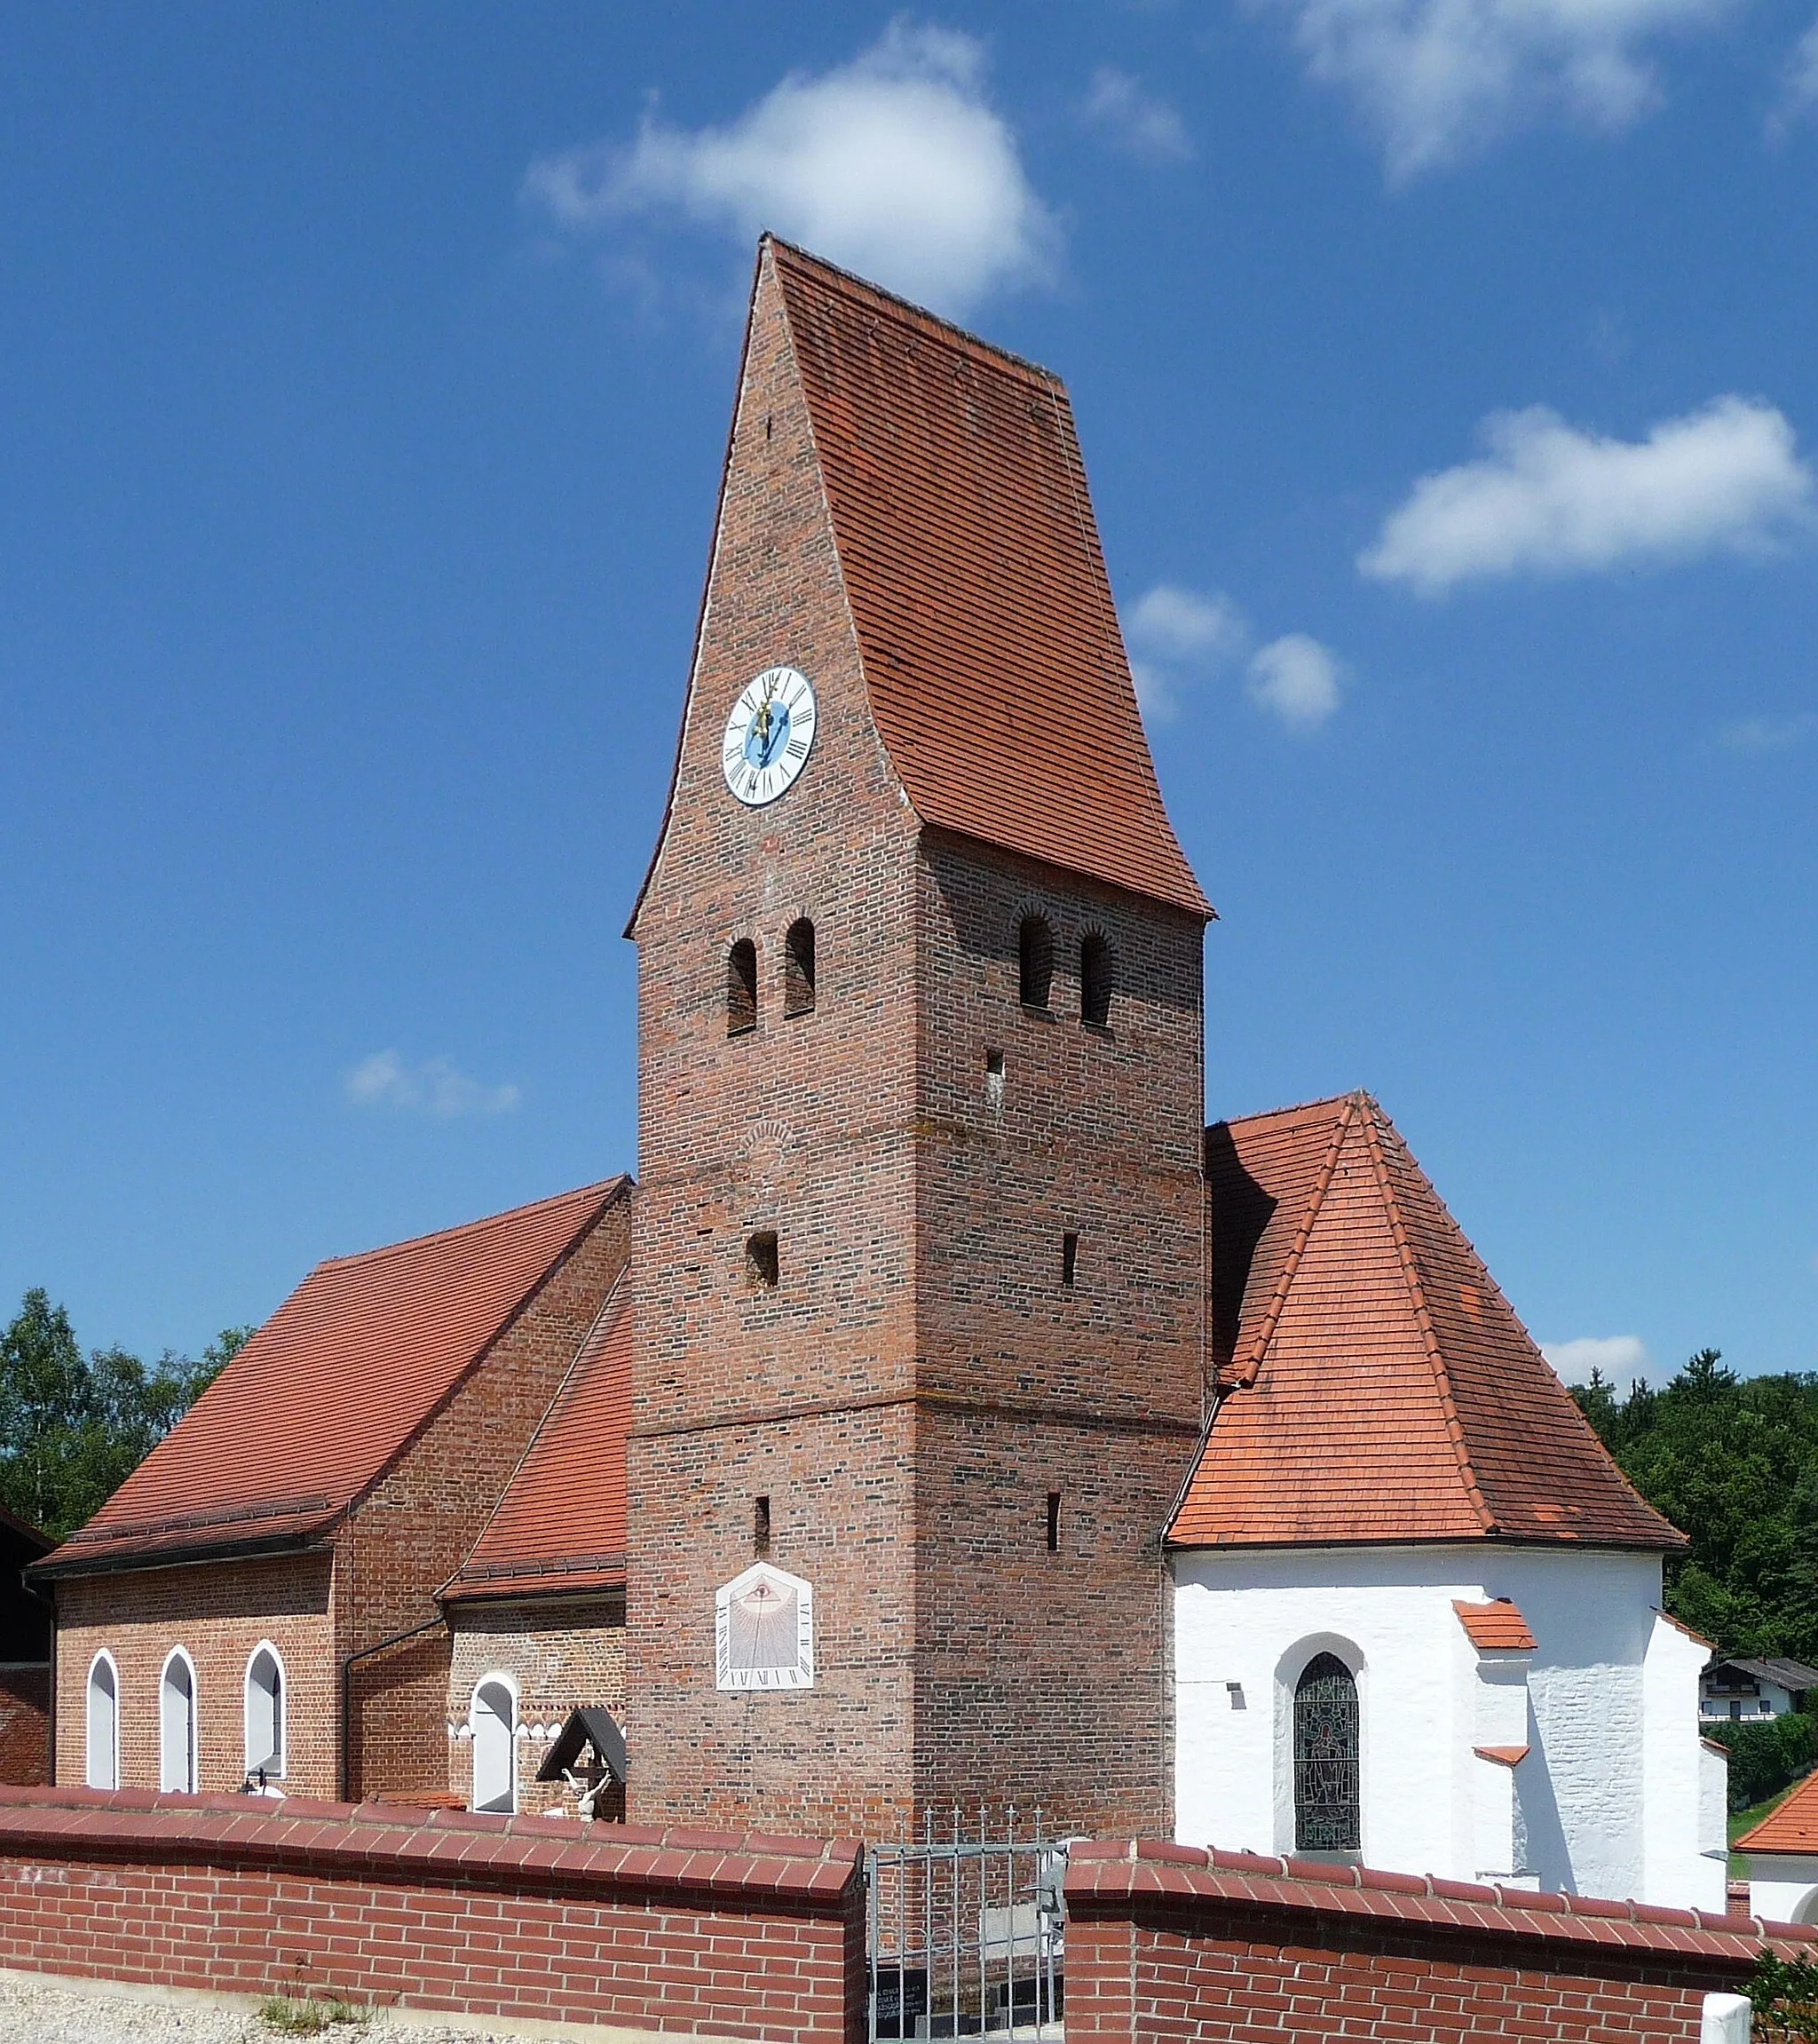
(32, 2014)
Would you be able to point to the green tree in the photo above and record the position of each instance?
(74, 1427)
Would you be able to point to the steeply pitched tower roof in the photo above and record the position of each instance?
(317, 1404)
(971, 560)
(560, 1526)
(1375, 1384)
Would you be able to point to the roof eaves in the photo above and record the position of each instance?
(1246, 1372)
(612, 1190)
(1417, 1294)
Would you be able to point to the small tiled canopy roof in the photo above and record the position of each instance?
(559, 1528)
(971, 560)
(328, 1391)
(1496, 1627)
(1375, 1385)
(1793, 1828)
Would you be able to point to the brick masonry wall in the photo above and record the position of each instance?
(219, 1615)
(805, 1126)
(24, 1722)
(560, 1657)
(1166, 1944)
(523, 1917)
(1043, 1678)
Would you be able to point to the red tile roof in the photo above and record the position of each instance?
(1495, 1628)
(316, 1405)
(1793, 1828)
(1502, 1756)
(971, 560)
(1375, 1384)
(560, 1526)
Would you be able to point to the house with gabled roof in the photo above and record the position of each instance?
(1418, 1607)
(258, 1599)
(962, 1422)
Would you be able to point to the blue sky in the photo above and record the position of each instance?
(1446, 378)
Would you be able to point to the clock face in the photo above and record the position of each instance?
(767, 735)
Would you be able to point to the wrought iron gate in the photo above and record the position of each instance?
(966, 1932)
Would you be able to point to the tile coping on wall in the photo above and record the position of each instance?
(1119, 1872)
(765, 1869)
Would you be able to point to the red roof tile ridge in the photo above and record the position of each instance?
(1294, 1107)
(862, 291)
(1680, 1624)
(1246, 1370)
(1417, 1292)
(581, 1349)
(602, 1189)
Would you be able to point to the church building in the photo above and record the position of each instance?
(947, 1417)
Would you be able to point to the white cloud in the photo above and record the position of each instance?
(1620, 1357)
(1798, 90)
(1438, 79)
(895, 165)
(1769, 733)
(1550, 499)
(1180, 636)
(1118, 107)
(435, 1087)
(1176, 635)
(1296, 679)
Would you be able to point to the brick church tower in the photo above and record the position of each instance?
(918, 1267)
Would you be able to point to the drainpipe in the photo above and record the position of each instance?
(367, 1653)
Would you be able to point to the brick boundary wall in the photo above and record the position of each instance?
(1168, 1943)
(665, 1931)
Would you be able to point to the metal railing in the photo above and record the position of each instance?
(965, 1932)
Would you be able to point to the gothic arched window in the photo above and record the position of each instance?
(177, 1723)
(102, 1755)
(1327, 1775)
(1035, 961)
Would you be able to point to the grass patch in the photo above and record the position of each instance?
(291, 2016)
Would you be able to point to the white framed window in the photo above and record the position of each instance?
(266, 1697)
(763, 1631)
(101, 1753)
(177, 1723)
(492, 1721)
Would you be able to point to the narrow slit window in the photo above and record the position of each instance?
(741, 988)
(1035, 961)
(1069, 1256)
(994, 1079)
(1095, 980)
(761, 1265)
(761, 1526)
(798, 968)
(1054, 1522)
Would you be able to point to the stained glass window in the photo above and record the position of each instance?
(1327, 1816)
